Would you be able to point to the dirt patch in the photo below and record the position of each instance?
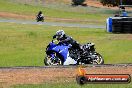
(13, 15)
(120, 37)
(95, 3)
(48, 19)
(35, 75)
(40, 75)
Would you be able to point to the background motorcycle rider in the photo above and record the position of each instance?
(63, 38)
(40, 16)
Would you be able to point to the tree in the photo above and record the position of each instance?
(78, 2)
(113, 3)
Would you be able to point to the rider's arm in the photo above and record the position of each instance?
(41, 15)
(67, 39)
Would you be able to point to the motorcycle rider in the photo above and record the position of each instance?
(63, 38)
(40, 16)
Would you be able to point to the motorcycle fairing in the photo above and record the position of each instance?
(63, 51)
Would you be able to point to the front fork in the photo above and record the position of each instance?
(52, 56)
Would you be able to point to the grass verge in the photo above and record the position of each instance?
(74, 85)
(24, 45)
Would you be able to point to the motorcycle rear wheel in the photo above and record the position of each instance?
(98, 59)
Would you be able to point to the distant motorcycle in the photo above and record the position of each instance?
(39, 18)
(63, 54)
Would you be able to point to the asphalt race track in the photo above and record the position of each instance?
(53, 24)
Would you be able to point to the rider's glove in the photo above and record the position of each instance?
(54, 36)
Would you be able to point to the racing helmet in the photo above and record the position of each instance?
(60, 33)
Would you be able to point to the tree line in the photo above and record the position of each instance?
(111, 3)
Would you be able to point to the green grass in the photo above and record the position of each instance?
(73, 85)
(24, 45)
(89, 14)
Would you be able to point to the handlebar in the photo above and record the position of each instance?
(61, 43)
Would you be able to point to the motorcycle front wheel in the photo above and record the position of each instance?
(53, 61)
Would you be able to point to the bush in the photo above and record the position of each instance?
(78, 2)
(115, 2)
